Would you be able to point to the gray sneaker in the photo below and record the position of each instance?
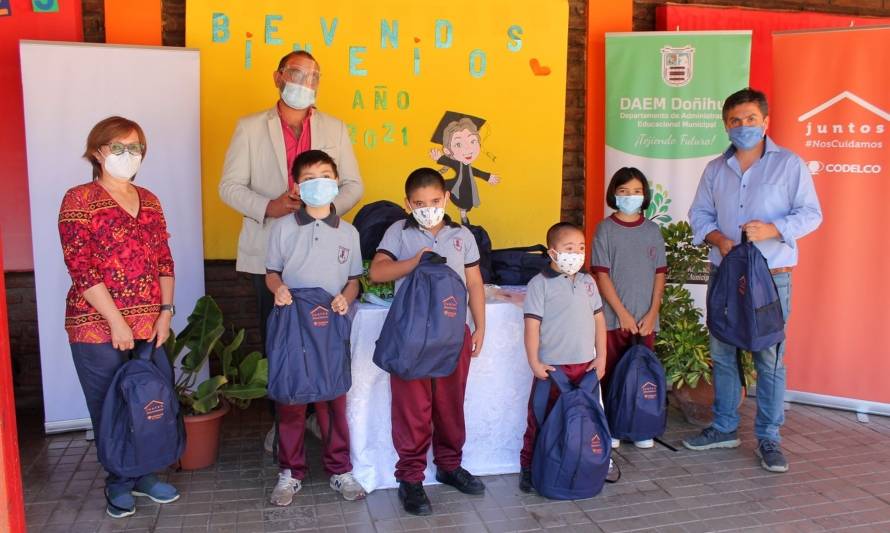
(711, 438)
(771, 457)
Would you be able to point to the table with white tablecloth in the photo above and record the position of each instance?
(495, 407)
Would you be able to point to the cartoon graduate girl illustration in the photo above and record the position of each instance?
(458, 133)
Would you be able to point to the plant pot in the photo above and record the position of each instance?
(202, 438)
(696, 403)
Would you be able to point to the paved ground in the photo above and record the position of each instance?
(839, 479)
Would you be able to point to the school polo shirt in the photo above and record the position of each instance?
(631, 253)
(455, 243)
(565, 307)
(309, 252)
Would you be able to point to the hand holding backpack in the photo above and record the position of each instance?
(636, 405)
(423, 333)
(307, 345)
(140, 430)
(573, 446)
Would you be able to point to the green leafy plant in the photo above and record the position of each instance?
(682, 344)
(242, 378)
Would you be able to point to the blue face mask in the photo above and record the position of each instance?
(746, 137)
(629, 205)
(297, 96)
(318, 192)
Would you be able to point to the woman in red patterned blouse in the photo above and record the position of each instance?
(114, 240)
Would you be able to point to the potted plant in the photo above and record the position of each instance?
(241, 378)
(683, 343)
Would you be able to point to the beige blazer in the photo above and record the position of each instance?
(255, 171)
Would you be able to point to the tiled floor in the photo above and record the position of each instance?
(839, 479)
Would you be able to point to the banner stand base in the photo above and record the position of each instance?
(63, 426)
(836, 402)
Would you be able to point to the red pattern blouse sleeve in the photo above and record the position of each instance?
(165, 258)
(74, 232)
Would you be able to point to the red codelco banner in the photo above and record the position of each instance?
(831, 106)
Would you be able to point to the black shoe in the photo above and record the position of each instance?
(414, 499)
(525, 480)
(461, 480)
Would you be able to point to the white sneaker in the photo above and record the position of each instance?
(287, 486)
(347, 486)
(269, 442)
(648, 443)
(616, 443)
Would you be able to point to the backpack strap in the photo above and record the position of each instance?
(432, 257)
(541, 394)
(590, 382)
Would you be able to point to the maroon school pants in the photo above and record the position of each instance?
(430, 410)
(617, 342)
(334, 435)
(574, 372)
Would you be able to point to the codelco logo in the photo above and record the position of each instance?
(817, 167)
(154, 410)
(649, 390)
(320, 316)
(449, 307)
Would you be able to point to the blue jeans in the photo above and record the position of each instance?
(96, 365)
(770, 378)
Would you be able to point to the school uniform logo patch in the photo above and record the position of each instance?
(449, 307)
(591, 289)
(652, 252)
(743, 285)
(342, 254)
(649, 390)
(320, 316)
(154, 410)
(596, 445)
(458, 244)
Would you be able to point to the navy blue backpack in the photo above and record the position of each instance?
(636, 404)
(744, 309)
(307, 345)
(573, 445)
(372, 221)
(424, 330)
(140, 430)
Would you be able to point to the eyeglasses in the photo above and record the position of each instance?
(307, 78)
(132, 148)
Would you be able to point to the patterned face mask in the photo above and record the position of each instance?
(428, 217)
(568, 262)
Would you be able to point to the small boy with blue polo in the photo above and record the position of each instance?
(314, 248)
(564, 326)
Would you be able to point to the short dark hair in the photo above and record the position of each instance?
(296, 53)
(309, 158)
(423, 177)
(104, 132)
(557, 230)
(745, 96)
(622, 176)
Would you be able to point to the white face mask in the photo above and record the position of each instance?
(569, 263)
(123, 166)
(297, 96)
(428, 216)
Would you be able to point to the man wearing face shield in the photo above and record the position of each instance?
(257, 179)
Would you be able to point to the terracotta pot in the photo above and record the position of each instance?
(202, 438)
(696, 403)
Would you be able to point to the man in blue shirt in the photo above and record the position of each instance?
(766, 191)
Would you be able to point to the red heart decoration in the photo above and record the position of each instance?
(537, 68)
